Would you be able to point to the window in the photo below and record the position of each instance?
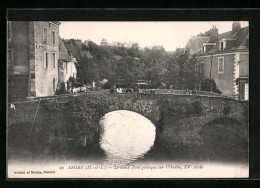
(204, 49)
(32, 75)
(10, 60)
(221, 65)
(53, 37)
(53, 60)
(9, 31)
(45, 35)
(10, 56)
(246, 91)
(53, 84)
(201, 68)
(66, 67)
(45, 60)
(221, 45)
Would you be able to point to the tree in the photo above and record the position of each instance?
(61, 90)
(85, 69)
(181, 72)
(209, 85)
(172, 69)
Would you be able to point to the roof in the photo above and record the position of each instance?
(237, 42)
(63, 52)
(72, 49)
(195, 43)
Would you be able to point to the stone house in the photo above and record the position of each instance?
(225, 58)
(33, 53)
(67, 64)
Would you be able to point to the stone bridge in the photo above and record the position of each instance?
(199, 123)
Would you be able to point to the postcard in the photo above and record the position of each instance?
(133, 99)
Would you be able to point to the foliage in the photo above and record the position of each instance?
(181, 71)
(107, 85)
(163, 69)
(74, 83)
(72, 79)
(209, 85)
(206, 33)
(61, 90)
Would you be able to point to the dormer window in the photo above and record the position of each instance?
(204, 49)
(222, 45)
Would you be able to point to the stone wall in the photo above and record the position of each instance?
(184, 121)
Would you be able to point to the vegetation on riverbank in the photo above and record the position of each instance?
(162, 68)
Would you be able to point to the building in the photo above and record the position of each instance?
(33, 53)
(104, 42)
(67, 64)
(225, 58)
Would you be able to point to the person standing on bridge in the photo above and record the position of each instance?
(93, 84)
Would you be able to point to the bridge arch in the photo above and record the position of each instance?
(125, 136)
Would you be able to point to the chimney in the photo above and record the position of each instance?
(213, 34)
(235, 27)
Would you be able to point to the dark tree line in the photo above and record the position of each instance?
(162, 68)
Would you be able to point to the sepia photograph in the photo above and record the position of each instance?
(127, 99)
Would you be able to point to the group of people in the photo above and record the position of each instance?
(193, 91)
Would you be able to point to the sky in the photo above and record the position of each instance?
(170, 35)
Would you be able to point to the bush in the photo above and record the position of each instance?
(72, 79)
(217, 91)
(61, 90)
(209, 85)
(77, 84)
(107, 85)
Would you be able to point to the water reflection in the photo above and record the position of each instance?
(125, 136)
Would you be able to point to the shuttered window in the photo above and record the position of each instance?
(53, 84)
(221, 65)
(53, 59)
(53, 37)
(45, 35)
(45, 60)
(246, 91)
